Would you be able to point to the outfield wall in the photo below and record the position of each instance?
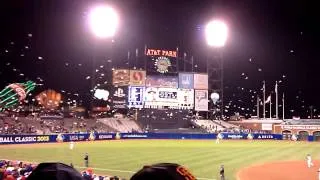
(27, 139)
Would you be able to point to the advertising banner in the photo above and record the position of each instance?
(160, 97)
(186, 80)
(136, 97)
(137, 77)
(200, 81)
(119, 96)
(186, 98)
(267, 127)
(26, 139)
(162, 81)
(120, 77)
(201, 100)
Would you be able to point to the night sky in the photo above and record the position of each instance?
(49, 41)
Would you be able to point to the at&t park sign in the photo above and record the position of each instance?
(159, 52)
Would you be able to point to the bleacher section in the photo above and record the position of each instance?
(209, 125)
(121, 124)
(225, 124)
(164, 119)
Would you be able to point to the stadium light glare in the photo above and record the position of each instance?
(103, 21)
(216, 33)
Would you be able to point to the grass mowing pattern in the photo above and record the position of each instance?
(202, 157)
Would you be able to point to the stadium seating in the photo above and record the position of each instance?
(121, 124)
(164, 119)
(209, 125)
(225, 124)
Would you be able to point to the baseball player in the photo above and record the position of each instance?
(294, 137)
(218, 138)
(71, 145)
(309, 161)
(319, 173)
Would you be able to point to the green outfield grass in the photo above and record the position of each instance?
(202, 157)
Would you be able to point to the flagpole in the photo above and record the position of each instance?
(137, 53)
(128, 58)
(258, 107)
(264, 99)
(283, 106)
(192, 63)
(270, 116)
(277, 105)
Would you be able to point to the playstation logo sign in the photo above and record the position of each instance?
(119, 93)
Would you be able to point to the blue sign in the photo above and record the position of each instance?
(136, 96)
(185, 80)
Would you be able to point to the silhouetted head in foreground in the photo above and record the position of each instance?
(161, 171)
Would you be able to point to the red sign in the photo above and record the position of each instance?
(158, 52)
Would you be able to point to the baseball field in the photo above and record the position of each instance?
(242, 159)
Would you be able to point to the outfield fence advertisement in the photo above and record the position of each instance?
(56, 138)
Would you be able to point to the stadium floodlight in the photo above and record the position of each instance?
(216, 33)
(103, 21)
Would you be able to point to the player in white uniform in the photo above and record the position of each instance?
(309, 161)
(218, 138)
(71, 145)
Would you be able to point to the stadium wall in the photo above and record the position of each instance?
(28, 139)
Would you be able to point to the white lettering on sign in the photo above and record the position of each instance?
(119, 93)
(265, 136)
(303, 127)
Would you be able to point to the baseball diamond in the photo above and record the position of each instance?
(242, 159)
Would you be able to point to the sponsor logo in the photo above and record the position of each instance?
(105, 136)
(265, 136)
(60, 138)
(92, 136)
(135, 135)
(119, 93)
(162, 64)
(118, 136)
(234, 136)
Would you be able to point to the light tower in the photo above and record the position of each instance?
(216, 35)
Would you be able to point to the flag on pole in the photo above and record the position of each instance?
(268, 99)
(263, 87)
(128, 55)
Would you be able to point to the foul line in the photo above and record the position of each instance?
(126, 171)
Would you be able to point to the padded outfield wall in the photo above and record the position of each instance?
(27, 139)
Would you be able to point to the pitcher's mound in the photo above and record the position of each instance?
(289, 170)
